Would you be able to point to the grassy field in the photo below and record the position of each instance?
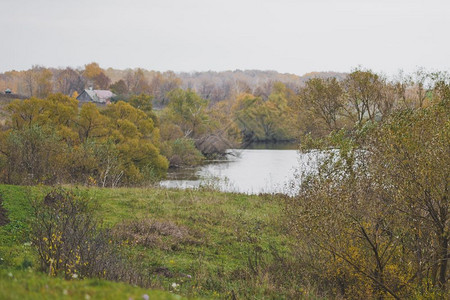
(204, 244)
(27, 284)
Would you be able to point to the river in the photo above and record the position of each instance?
(250, 171)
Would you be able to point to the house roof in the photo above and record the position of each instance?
(100, 95)
(104, 94)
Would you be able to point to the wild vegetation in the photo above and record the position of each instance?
(215, 111)
(372, 222)
(53, 141)
(194, 243)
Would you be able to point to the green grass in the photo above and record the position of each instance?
(227, 226)
(27, 284)
(227, 231)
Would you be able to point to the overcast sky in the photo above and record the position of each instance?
(199, 35)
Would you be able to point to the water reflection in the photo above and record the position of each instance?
(250, 171)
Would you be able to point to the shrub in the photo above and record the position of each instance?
(182, 152)
(70, 243)
(65, 234)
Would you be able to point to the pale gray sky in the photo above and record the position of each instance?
(186, 35)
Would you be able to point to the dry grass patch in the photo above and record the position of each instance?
(164, 235)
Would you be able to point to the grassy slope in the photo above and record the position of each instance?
(226, 229)
(21, 284)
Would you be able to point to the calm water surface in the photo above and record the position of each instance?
(250, 171)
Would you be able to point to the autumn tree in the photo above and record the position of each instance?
(38, 138)
(161, 85)
(91, 70)
(119, 88)
(91, 123)
(32, 155)
(415, 147)
(187, 110)
(363, 92)
(145, 103)
(324, 97)
(57, 110)
(245, 114)
(136, 82)
(101, 81)
(346, 231)
(373, 220)
(183, 122)
(51, 140)
(223, 123)
(389, 99)
(68, 81)
(38, 81)
(269, 120)
(28, 78)
(420, 79)
(44, 84)
(96, 76)
(136, 139)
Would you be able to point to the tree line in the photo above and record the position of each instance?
(40, 81)
(315, 103)
(187, 127)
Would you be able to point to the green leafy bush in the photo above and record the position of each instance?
(182, 152)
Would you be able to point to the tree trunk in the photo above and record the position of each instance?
(443, 257)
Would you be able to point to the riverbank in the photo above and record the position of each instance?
(230, 244)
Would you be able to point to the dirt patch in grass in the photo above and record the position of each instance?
(3, 213)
